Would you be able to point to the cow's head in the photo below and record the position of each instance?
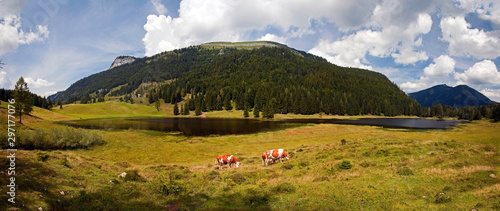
(237, 164)
(286, 155)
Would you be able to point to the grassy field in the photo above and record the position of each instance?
(107, 110)
(389, 169)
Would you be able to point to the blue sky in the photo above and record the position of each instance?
(417, 44)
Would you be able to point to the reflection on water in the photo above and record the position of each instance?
(221, 126)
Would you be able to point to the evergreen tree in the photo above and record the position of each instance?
(176, 109)
(245, 112)
(268, 111)
(185, 110)
(227, 104)
(197, 111)
(440, 112)
(256, 113)
(23, 98)
(496, 113)
(151, 98)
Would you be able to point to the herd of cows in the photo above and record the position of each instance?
(267, 157)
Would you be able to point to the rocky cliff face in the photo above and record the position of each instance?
(121, 60)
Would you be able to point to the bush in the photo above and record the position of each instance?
(442, 198)
(169, 185)
(345, 164)
(343, 141)
(57, 138)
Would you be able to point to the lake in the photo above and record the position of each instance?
(228, 126)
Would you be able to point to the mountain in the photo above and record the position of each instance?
(458, 96)
(259, 75)
(121, 60)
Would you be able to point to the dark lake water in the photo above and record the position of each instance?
(221, 126)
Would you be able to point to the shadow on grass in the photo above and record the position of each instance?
(37, 186)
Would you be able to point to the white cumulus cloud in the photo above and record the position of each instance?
(465, 41)
(202, 21)
(442, 67)
(484, 72)
(272, 37)
(38, 83)
(392, 41)
(434, 74)
(11, 34)
(4, 80)
(493, 94)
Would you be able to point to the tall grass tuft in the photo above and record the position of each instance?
(56, 138)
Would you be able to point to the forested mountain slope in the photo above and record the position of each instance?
(259, 75)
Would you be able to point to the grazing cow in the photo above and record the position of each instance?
(273, 155)
(227, 159)
(264, 158)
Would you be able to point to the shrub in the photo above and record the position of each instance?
(343, 141)
(168, 185)
(57, 138)
(345, 164)
(442, 198)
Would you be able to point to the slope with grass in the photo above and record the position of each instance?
(107, 110)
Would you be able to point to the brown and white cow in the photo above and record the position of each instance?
(227, 159)
(273, 155)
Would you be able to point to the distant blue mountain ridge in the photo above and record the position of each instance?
(458, 96)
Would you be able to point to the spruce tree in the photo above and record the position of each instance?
(197, 111)
(176, 109)
(256, 112)
(245, 112)
(23, 98)
(227, 104)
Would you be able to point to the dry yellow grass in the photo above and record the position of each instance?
(451, 172)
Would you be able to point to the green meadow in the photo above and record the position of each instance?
(374, 169)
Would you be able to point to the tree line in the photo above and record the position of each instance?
(466, 113)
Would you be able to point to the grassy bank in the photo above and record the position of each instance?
(390, 169)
